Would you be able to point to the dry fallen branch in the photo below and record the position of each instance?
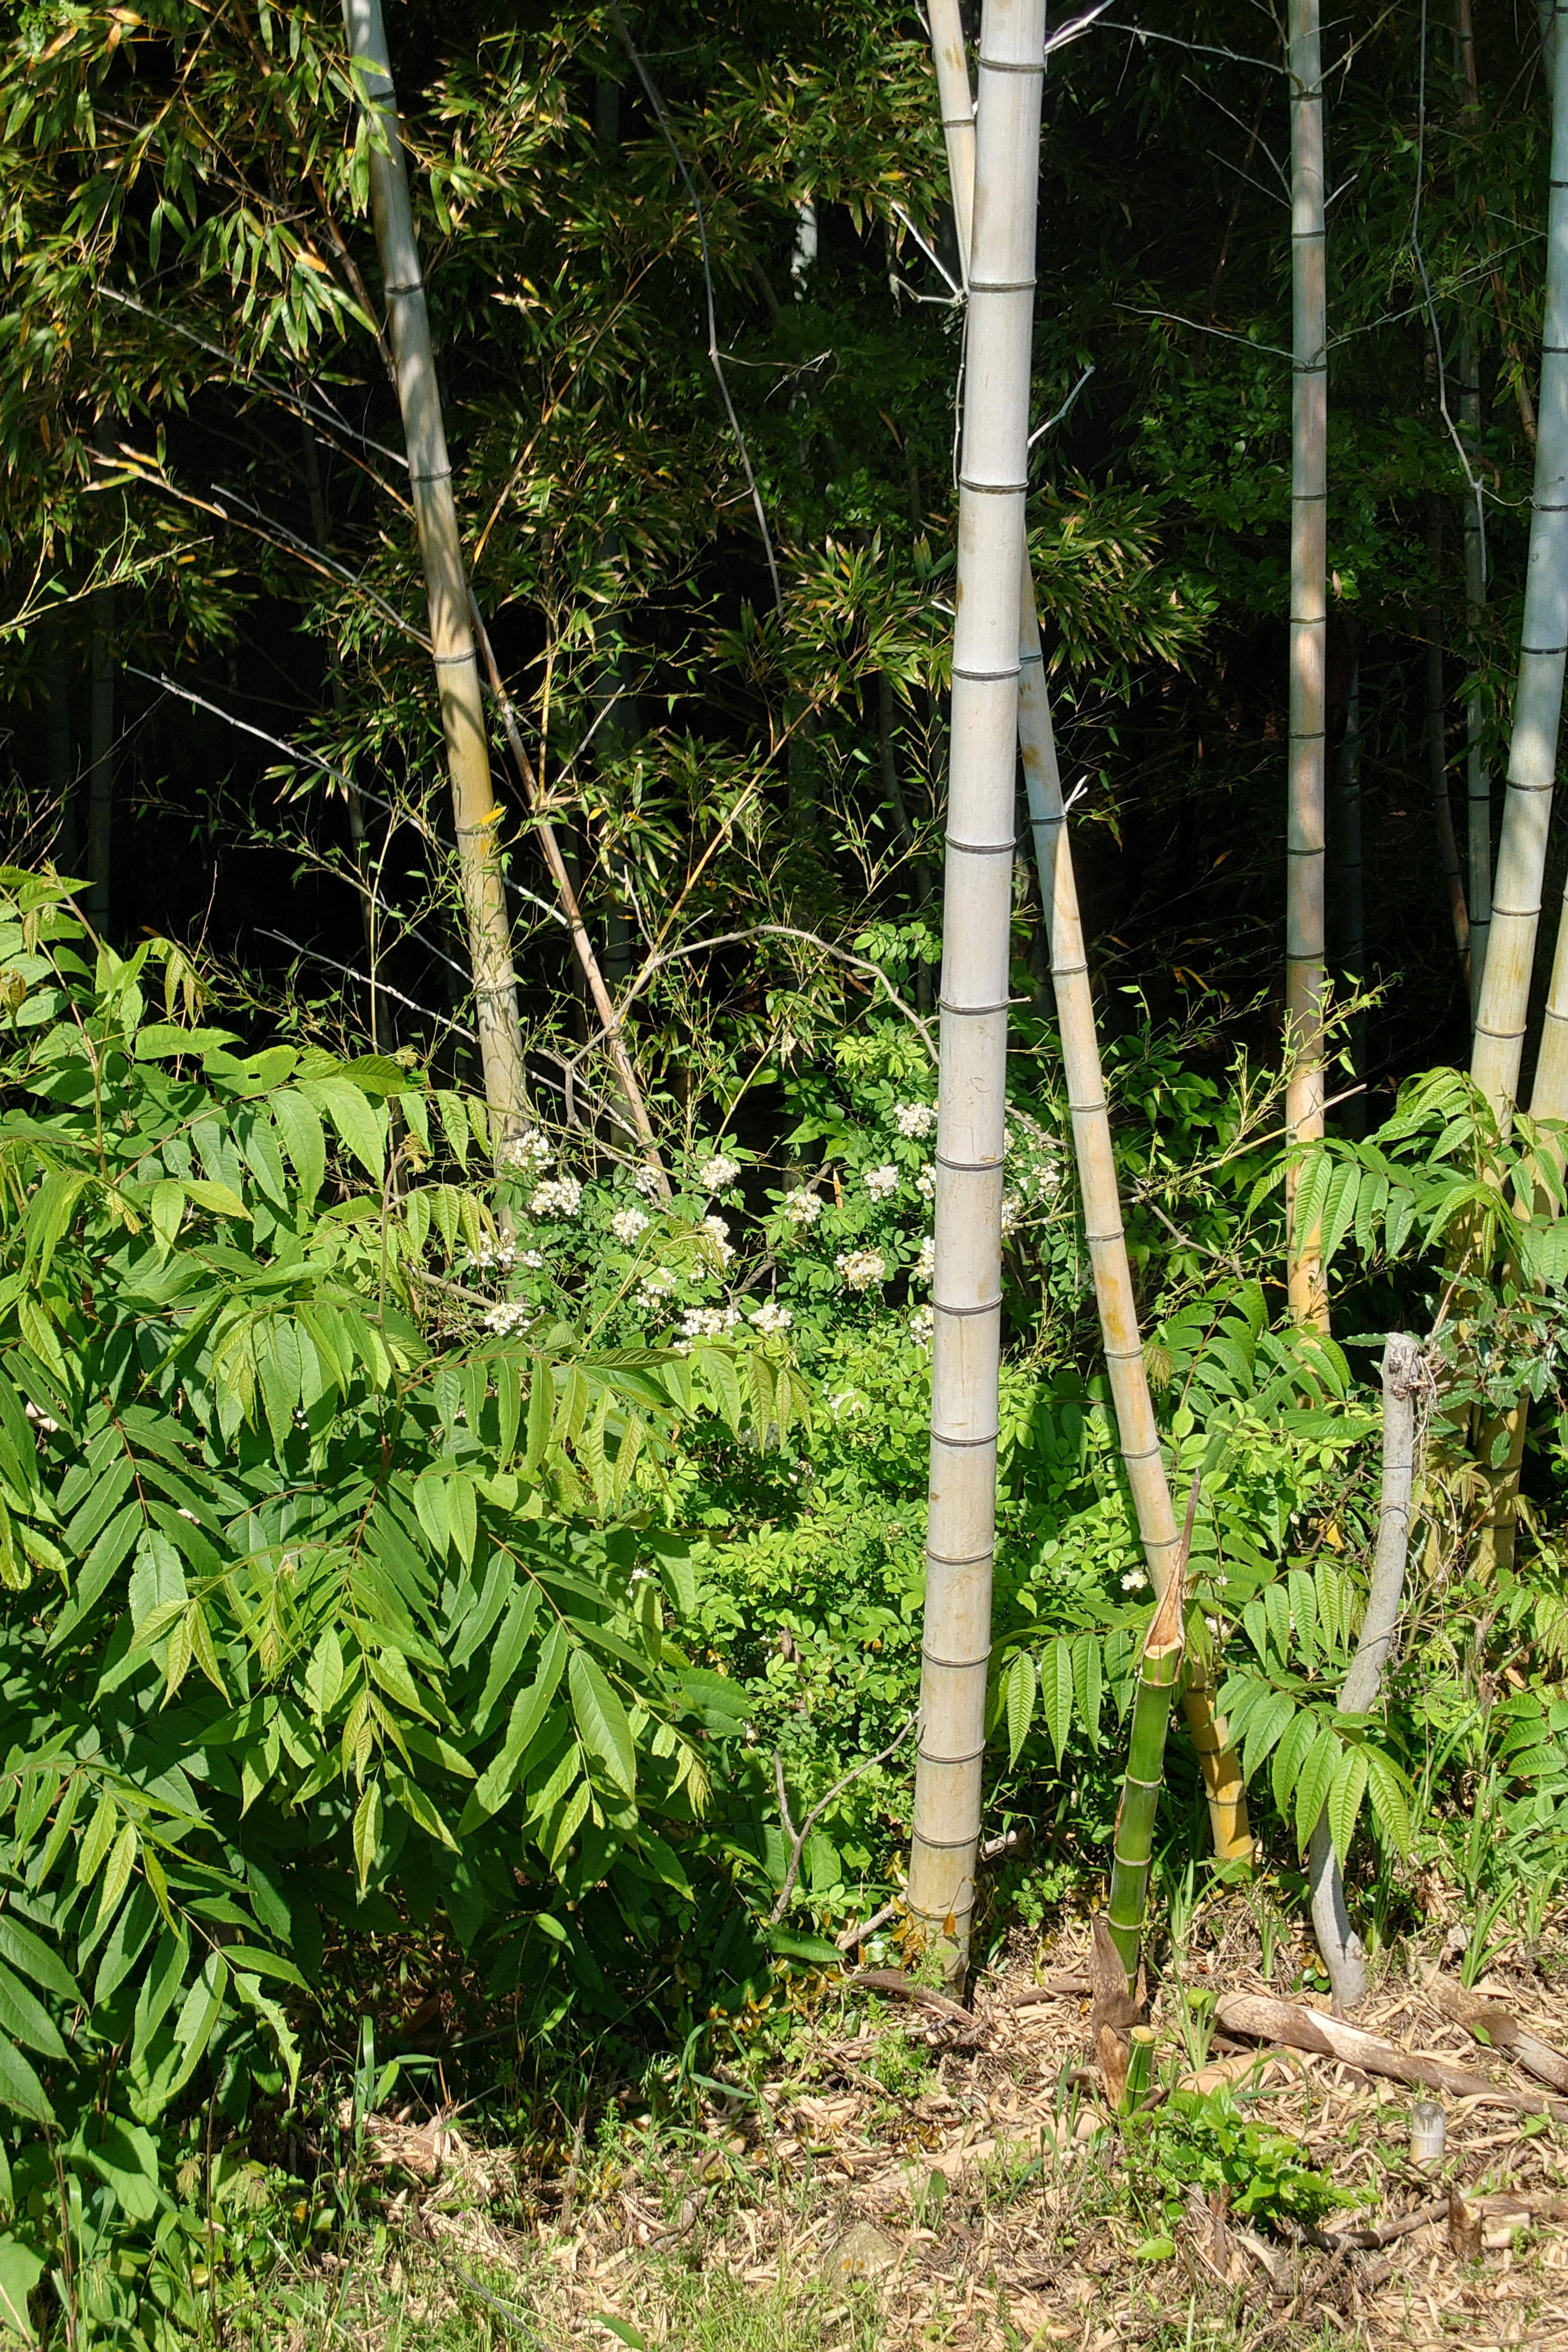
(1261, 2019)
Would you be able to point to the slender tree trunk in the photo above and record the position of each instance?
(1309, 642)
(1503, 1010)
(100, 768)
(978, 896)
(1478, 775)
(1137, 1429)
(1349, 905)
(1403, 1375)
(1437, 771)
(477, 817)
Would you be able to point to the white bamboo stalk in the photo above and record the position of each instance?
(951, 58)
(476, 815)
(1504, 1011)
(977, 905)
(1137, 1430)
(1478, 775)
(1304, 977)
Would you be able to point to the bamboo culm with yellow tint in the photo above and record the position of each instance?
(1304, 949)
(1133, 1407)
(476, 818)
(966, 1290)
(1107, 1242)
(1517, 884)
(1159, 1670)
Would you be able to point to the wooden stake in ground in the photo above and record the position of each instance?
(1504, 1005)
(966, 1298)
(476, 816)
(1403, 1377)
(1304, 979)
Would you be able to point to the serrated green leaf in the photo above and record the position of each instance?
(601, 1721)
(1345, 1794)
(1020, 1697)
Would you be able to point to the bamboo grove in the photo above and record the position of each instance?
(779, 799)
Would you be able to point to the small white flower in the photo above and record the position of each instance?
(627, 1223)
(914, 1119)
(708, 1322)
(860, 1268)
(770, 1317)
(640, 1576)
(1134, 1580)
(922, 1323)
(532, 1259)
(655, 1289)
(925, 1183)
(882, 1182)
(717, 1234)
(507, 1317)
(716, 1175)
(558, 1196)
(1012, 1214)
(925, 1264)
(803, 1206)
(528, 1150)
(646, 1179)
(492, 1257)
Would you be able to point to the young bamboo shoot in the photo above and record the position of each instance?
(1158, 1670)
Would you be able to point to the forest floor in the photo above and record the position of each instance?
(907, 2176)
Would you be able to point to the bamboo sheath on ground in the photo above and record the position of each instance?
(1403, 1377)
(1137, 1430)
(1503, 1010)
(977, 904)
(1309, 639)
(476, 815)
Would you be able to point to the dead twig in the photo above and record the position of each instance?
(798, 1838)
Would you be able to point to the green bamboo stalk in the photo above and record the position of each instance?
(1159, 1670)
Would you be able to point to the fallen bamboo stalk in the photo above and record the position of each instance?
(1325, 2036)
(1499, 2028)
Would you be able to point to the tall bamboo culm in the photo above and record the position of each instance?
(1137, 1430)
(1478, 775)
(977, 915)
(1504, 1006)
(1136, 1427)
(476, 816)
(1309, 639)
(1159, 1666)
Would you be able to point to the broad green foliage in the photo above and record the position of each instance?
(311, 1624)
(1210, 2142)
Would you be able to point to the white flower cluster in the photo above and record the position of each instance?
(717, 1234)
(882, 1182)
(925, 1183)
(627, 1223)
(925, 1264)
(558, 1196)
(914, 1119)
(646, 1179)
(1012, 1214)
(656, 1288)
(507, 1317)
(492, 1257)
(716, 1175)
(1134, 1580)
(1035, 1155)
(532, 1259)
(528, 1150)
(922, 1323)
(803, 1206)
(770, 1317)
(860, 1268)
(708, 1322)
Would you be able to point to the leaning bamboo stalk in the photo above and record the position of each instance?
(476, 815)
(1304, 976)
(1159, 1666)
(1503, 1010)
(1478, 775)
(977, 905)
(1404, 1376)
(1137, 1430)
(950, 59)
(610, 1022)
